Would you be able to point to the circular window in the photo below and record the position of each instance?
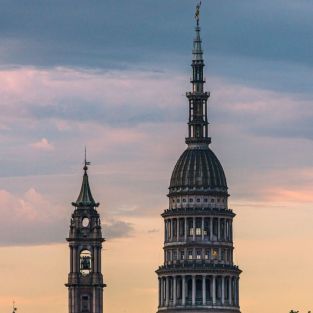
(85, 221)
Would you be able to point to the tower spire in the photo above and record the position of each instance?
(85, 198)
(198, 113)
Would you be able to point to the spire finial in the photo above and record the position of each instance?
(197, 14)
(85, 198)
(86, 163)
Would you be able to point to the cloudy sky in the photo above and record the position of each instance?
(112, 75)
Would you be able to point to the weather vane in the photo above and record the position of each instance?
(86, 163)
(197, 14)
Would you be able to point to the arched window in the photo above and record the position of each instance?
(85, 262)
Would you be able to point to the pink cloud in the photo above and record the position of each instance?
(43, 144)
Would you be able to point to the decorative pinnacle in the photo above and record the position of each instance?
(197, 14)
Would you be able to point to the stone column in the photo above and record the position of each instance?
(174, 291)
(202, 228)
(203, 290)
(218, 229)
(194, 229)
(171, 227)
(214, 289)
(193, 290)
(186, 228)
(167, 291)
(237, 291)
(231, 230)
(75, 259)
(177, 231)
(211, 228)
(230, 291)
(183, 289)
(99, 259)
(225, 237)
(94, 260)
(71, 259)
(223, 290)
(160, 292)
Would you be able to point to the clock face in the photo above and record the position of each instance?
(85, 222)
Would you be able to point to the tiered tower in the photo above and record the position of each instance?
(85, 280)
(198, 274)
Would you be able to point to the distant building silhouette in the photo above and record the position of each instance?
(198, 274)
(85, 280)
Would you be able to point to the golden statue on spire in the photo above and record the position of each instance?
(197, 14)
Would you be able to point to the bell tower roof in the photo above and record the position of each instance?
(85, 198)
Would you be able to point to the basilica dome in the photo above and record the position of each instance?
(198, 169)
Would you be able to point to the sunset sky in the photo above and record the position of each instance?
(112, 75)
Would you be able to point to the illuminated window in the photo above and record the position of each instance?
(215, 253)
(198, 254)
(198, 226)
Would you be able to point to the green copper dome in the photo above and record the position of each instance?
(198, 168)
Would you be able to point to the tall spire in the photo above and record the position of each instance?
(198, 119)
(85, 198)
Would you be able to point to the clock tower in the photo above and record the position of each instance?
(85, 279)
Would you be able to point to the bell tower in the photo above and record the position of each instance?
(85, 280)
